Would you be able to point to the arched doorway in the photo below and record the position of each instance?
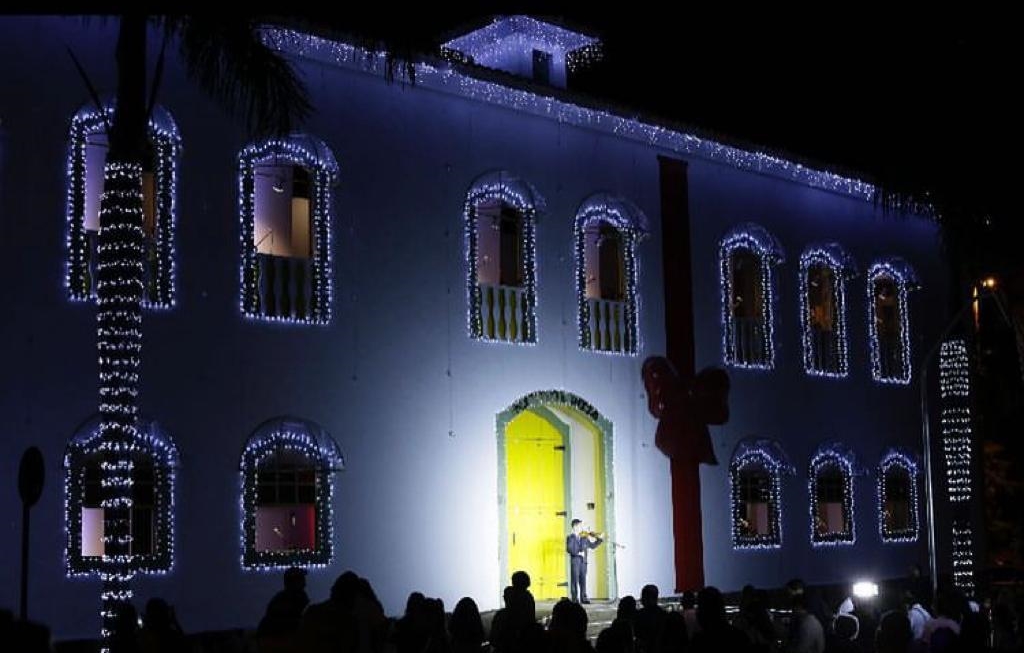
(555, 461)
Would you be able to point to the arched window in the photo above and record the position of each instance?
(285, 209)
(888, 325)
(897, 497)
(87, 156)
(500, 215)
(823, 272)
(747, 256)
(755, 478)
(607, 230)
(154, 464)
(831, 491)
(287, 468)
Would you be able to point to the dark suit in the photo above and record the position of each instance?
(577, 548)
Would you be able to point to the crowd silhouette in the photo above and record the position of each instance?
(794, 619)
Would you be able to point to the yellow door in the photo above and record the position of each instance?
(535, 455)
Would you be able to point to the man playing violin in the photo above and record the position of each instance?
(577, 545)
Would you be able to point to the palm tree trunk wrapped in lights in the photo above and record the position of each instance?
(229, 60)
(119, 321)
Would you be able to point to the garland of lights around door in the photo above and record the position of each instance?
(508, 190)
(79, 278)
(629, 222)
(324, 456)
(312, 154)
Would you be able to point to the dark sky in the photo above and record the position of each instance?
(918, 101)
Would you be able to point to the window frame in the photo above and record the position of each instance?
(904, 280)
(508, 191)
(631, 225)
(906, 462)
(166, 142)
(303, 438)
(842, 267)
(766, 248)
(84, 447)
(841, 458)
(768, 456)
(300, 150)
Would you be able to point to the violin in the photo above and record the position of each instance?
(601, 536)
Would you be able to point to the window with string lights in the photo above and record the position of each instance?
(748, 255)
(500, 215)
(287, 519)
(154, 464)
(285, 208)
(607, 230)
(889, 283)
(87, 157)
(830, 486)
(755, 478)
(897, 497)
(823, 273)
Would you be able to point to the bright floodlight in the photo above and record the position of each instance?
(865, 589)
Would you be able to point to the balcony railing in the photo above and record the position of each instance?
(748, 341)
(284, 287)
(607, 326)
(890, 356)
(503, 312)
(824, 352)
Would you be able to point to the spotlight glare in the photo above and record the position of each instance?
(865, 589)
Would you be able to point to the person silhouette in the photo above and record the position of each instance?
(284, 612)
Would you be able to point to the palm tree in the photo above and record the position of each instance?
(229, 61)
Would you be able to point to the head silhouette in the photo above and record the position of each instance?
(649, 596)
(295, 579)
(521, 580)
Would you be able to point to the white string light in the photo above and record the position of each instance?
(448, 78)
(510, 36)
(119, 293)
(957, 425)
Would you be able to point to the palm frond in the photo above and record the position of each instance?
(230, 62)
